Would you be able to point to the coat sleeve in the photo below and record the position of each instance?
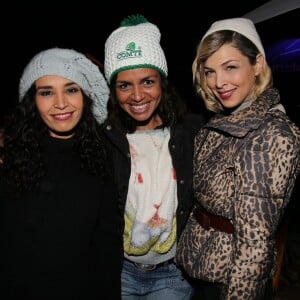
(265, 177)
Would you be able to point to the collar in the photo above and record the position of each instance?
(242, 121)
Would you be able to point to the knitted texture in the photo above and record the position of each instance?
(136, 44)
(74, 66)
(241, 25)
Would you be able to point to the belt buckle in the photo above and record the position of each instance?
(145, 267)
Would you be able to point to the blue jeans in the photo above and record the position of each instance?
(166, 282)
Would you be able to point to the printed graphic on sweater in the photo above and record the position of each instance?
(150, 214)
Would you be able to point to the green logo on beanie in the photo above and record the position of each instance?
(130, 52)
(130, 46)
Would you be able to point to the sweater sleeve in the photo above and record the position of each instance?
(109, 244)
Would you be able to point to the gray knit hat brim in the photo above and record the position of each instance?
(74, 66)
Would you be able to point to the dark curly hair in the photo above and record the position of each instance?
(171, 108)
(23, 164)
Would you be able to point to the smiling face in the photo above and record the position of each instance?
(139, 93)
(60, 104)
(230, 75)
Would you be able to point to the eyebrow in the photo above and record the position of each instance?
(51, 86)
(225, 63)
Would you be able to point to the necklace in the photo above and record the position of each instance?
(156, 138)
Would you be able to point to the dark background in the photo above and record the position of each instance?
(85, 26)
(27, 28)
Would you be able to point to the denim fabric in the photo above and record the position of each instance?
(165, 282)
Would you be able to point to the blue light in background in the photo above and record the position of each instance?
(284, 55)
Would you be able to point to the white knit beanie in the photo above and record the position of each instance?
(74, 66)
(135, 44)
(241, 25)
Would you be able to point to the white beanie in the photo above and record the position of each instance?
(74, 66)
(135, 44)
(241, 25)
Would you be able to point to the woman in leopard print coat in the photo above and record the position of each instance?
(245, 165)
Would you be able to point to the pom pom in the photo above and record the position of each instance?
(133, 20)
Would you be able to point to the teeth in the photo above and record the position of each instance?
(139, 106)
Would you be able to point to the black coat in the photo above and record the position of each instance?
(181, 146)
(61, 241)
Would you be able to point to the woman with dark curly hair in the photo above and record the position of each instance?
(59, 220)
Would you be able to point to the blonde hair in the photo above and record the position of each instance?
(209, 46)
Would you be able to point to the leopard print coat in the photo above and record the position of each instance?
(245, 166)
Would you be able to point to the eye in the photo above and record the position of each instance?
(231, 67)
(208, 72)
(122, 86)
(73, 90)
(148, 82)
(44, 93)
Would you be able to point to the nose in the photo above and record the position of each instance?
(137, 93)
(60, 101)
(220, 80)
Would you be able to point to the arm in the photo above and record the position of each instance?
(264, 182)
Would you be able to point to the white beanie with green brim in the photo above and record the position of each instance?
(135, 44)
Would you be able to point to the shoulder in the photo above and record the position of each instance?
(279, 125)
(277, 136)
(193, 121)
(187, 128)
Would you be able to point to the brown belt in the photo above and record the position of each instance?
(207, 220)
